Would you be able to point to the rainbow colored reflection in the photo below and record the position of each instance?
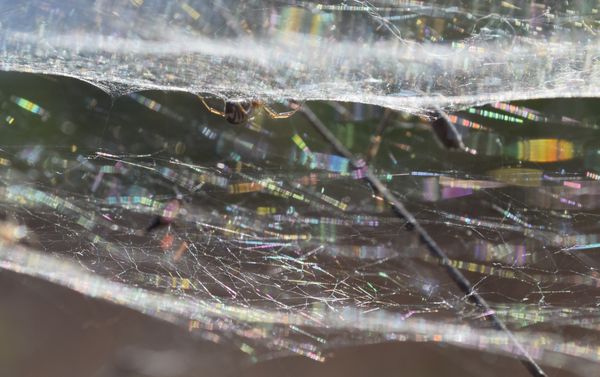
(542, 150)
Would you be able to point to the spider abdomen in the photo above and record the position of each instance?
(238, 112)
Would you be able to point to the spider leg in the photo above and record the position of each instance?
(275, 115)
(211, 109)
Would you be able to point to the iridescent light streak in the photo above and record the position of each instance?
(575, 185)
(378, 252)
(506, 272)
(313, 179)
(494, 115)
(297, 139)
(131, 202)
(520, 111)
(563, 200)
(333, 163)
(510, 254)
(245, 187)
(481, 223)
(334, 202)
(264, 211)
(191, 180)
(585, 247)
(592, 175)
(475, 184)
(466, 123)
(533, 115)
(543, 150)
(275, 189)
(355, 220)
(155, 106)
(525, 177)
(193, 13)
(509, 215)
(576, 240)
(30, 106)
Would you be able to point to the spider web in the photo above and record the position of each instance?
(402, 55)
(275, 239)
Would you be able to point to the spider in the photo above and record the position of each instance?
(239, 112)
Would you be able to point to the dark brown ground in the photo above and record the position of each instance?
(50, 331)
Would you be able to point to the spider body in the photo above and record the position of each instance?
(239, 112)
(242, 111)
